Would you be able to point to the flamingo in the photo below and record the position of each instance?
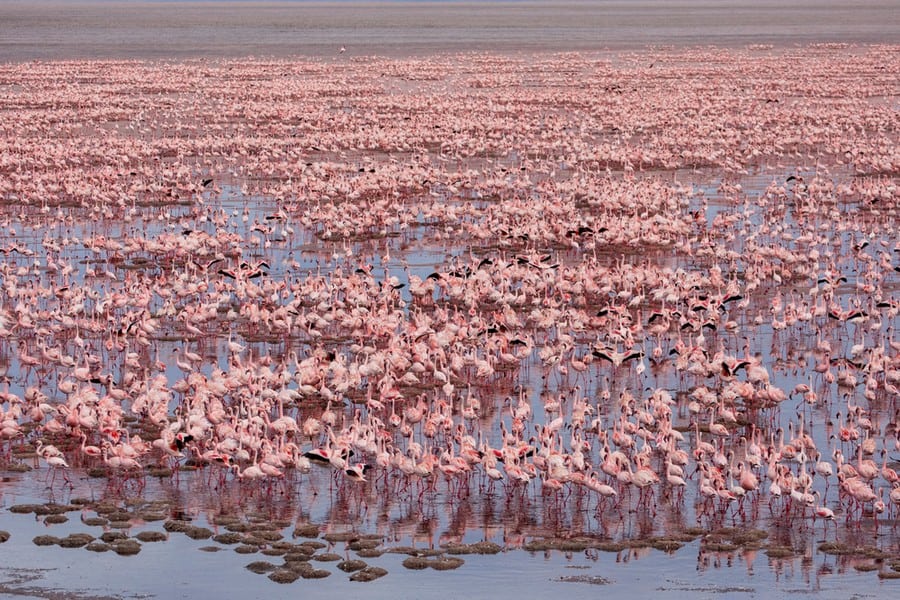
(357, 472)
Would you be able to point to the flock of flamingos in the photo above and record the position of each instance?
(665, 280)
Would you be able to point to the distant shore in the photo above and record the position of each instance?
(55, 30)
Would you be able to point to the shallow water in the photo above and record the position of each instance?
(123, 98)
(177, 567)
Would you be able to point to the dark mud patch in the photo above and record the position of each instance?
(416, 563)
(440, 563)
(297, 556)
(161, 472)
(349, 566)
(18, 468)
(709, 589)
(780, 552)
(198, 533)
(152, 516)
(297, 566)
(55, 519)
(446, 563)
(106, 509)
(119, 515)
(283, 545)
(612, 546)
(260, 566)
(415, 551)
(264, 526)
(309, 530)
(839, 549)
(589, 579)
(284, 576)
(176, 526)
(666, 545)
(368, 574)
(729, 539)
(346, 536)
(14, 583)
(264, 536)
(127, 547)
(326, 557)
(719, 547)
(151, 536)
(315, 574)
(562, 544)
(357, 545)
(477, 548)
(45, 540)
(313, 546)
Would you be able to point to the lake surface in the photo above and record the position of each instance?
(81, 132)
(47, 29)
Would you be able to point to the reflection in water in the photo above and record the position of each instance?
(278, 296)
